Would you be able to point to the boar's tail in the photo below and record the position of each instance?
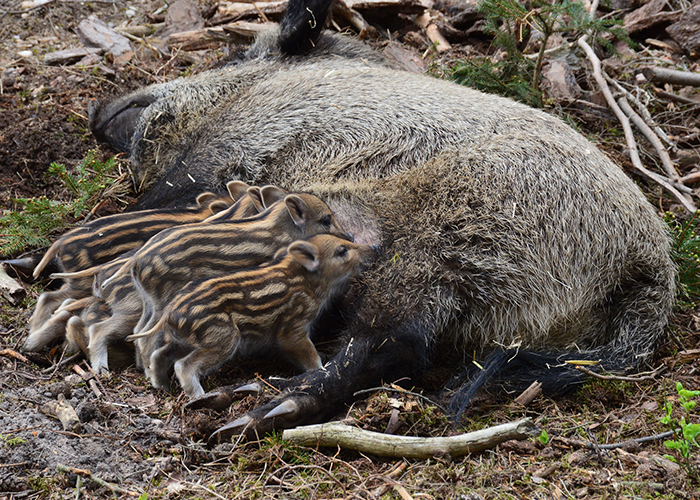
(302, 24)
(512, 371)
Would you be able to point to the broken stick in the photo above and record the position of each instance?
(345, 436)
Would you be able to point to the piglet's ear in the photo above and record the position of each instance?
(306, 253)
(255, 195)
(218, 206)
(297, 209)
(236, 189)
(205, 198)
(272, 194)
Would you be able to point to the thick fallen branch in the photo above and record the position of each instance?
(345, 436)
(629, 135)
(672, 76)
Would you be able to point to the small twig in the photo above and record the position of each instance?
(690, 178)
(11, 353)
(619, 378)
(642, 110)
(612, 446)
(676, 97)
(631, 143)
(86, 473)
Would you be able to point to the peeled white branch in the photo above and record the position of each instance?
(338, 434)
(652, 138)
(629, 136)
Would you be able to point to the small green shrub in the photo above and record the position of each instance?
(685, 251)
(38, 218)
(515, 75)
(685, 431)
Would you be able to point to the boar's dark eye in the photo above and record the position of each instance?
(341, 252)
(326, 220)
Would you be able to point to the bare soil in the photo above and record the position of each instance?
(140, 440)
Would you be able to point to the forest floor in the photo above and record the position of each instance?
(142, 442)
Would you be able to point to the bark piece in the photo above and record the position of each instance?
(339, 434)
(404, 59)
(560, 81)
(402, 6)
(69, 56)
(649, 15)
(11, 290)
(94, 33)
(686, 32)
(182, 16)
(238, 10)
(63, 411)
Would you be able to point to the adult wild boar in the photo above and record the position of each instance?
(503, 231)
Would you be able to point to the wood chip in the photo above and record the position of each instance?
(11, 290)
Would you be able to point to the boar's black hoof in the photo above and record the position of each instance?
(218, 400)
(223, 397)
(284, 412)
(235, 428)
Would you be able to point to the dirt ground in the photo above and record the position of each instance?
(133, 440)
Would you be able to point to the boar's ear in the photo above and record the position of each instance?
(205, 198)
(218, 206)
(297, 209)
(236, 189)
(255, 194)
(305, 253)
(272, 194)
(302, 25)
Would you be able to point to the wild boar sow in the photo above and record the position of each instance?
(500, 227)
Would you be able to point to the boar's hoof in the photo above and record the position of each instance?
(223, 397)
(288, 408)
(235, 428)
(218, 400)
(284, 412)
(252, 389)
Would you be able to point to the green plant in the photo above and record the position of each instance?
(543, 438)
(12, 441)
(513, 25)
(38, 218)
(686, 432)
(685, 250)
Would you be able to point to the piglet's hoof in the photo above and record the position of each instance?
(223, 397)
(235, 428)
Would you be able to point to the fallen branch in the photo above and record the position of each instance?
(339, 434)
(652, 138)
(672, 76)
(690, 178)
(577, 443)
(676, 97)
(629, 136)
(619, 378)
(86, 473)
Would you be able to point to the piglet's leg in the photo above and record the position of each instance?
(302, 351)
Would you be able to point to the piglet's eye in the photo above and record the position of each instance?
(341, 252)
(326, 220)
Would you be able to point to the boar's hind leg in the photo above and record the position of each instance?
(369, 357)
(104, 333)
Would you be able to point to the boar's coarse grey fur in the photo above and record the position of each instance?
(500, 226)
